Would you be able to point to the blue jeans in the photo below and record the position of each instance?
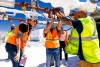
(50, 52)
(12, 52)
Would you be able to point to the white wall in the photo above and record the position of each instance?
(36, 34)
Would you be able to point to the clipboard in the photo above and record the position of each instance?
(23, 61)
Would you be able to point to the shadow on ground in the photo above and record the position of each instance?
(42, 65)
(4, 60)
(72, 62)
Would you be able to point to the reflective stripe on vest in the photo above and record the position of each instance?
(52, 39)
(84, 39)
(87, 38)
(20, 35)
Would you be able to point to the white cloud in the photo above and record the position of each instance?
(71, 5)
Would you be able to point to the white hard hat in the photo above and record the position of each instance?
(13, 25)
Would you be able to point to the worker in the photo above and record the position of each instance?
(17, 41)
(52, 43)
(9, 32)
(63, 38)
(83, 40)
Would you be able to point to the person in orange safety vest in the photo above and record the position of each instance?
(17, 41)
(51, 33)
(8, 33)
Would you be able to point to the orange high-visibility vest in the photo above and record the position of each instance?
(52, 40)
(13, 36)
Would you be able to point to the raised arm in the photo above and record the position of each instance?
(63, 18)
(49, 25)
(59, 24)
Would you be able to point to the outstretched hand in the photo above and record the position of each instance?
(60, 14)
(17, 57)
(24, 55)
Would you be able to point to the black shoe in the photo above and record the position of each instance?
(52, 64)
(21, 66)
(7, 59)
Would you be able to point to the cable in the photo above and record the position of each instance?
(68, 29)
(43, 15)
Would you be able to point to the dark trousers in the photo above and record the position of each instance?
(8, 56)
(98, 30)
(12, 52)
(62, 46)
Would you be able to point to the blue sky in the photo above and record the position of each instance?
(5, 25)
